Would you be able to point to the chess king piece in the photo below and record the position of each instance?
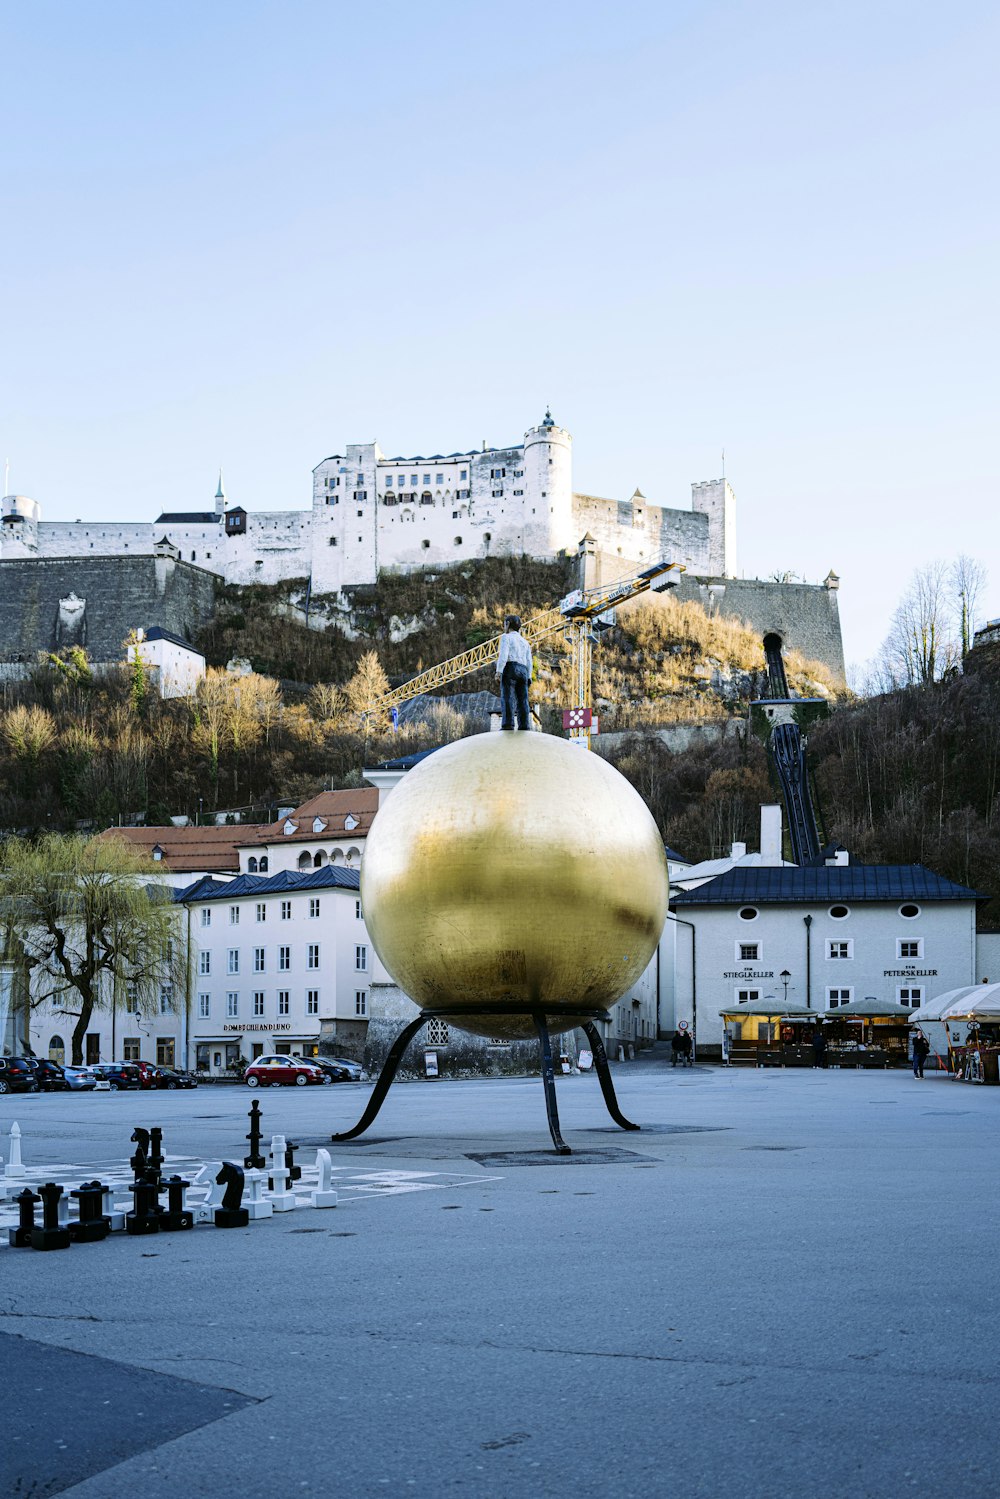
(256, 1205)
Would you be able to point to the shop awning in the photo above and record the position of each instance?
(870, 1009)
(773, 1011)
(980, 1003)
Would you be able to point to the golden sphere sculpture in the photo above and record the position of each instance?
(514, 868)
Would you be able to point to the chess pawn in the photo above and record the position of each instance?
(177, 1215)
(324, 1196)
(278, 1148)
(91, 1225)
(51, 1235)
(20, 1237)
(255, 1203)
(14, 1170)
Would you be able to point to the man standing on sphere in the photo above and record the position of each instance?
(514, 666)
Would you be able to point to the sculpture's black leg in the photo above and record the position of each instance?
(549, 1085)
(604, 1074)
(389, 1069)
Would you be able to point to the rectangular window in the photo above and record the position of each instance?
(748, 952)
(258, 960)
(840, 949)
(519, 491)
(464, 474)
(519, 473)
(258, 1002)
(361, 478)
(439, 478)
(284, 959)
(747, 996)
(261, 910)
(93, 1044)
(131, 1001)
(313, 907)
(232, 1003)
(361, 959)
(837, 997)
(234, 915)
(286, 910)
(233, 960)
(427, 478)
(361, 1001)
(206, 916)
(388, 480)
(204, 962)
(283, 1001)
(357, 910)
(911, 996)
(131, 1049)
(413, 478)
(312, 1001)
(164, 1051)
(913, 948)
(312, 960)
(166, 998)
(204, 1005)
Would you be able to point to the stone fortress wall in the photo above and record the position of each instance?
(371, 512)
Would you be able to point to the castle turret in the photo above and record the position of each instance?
(716, 499)
(220, 497)
(548, 488)
(19, 526)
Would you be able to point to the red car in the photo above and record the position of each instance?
(274, 1070)
(146, 1072)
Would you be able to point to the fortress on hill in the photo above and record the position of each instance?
(371, 512)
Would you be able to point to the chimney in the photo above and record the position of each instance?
(739, 851)
(770, 835)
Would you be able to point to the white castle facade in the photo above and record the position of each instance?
(370, 513)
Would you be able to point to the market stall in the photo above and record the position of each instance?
(975, 1055)
(768, 1034)
(868, 1033)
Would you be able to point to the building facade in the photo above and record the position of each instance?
(370, 511)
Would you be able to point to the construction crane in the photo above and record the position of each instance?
(582, 616)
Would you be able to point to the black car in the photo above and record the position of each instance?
(117, 1075)
(49, 1075)
(338, 1069)
(17, 1075)
(170, 1077)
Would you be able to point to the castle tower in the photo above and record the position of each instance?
(19, 526)
(343, 539)
(715, 498)
(220, 497)
(548, 489)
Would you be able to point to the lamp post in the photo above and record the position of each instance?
(785, 976)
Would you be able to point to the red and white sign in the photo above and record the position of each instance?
(577, 718)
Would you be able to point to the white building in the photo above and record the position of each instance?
(370, 512)
(175, 665)
(820, 938)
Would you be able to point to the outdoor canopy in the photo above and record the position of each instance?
(774, 1011)
(933, 1009)
(870, 1009)
(980, 1003)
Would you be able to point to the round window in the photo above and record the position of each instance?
(748, 913)
(909, 911)
(839, 912)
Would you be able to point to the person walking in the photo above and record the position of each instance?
(819, 1046)
(921, 1049)
(514, 667)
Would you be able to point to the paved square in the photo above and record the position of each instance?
(782, 1287)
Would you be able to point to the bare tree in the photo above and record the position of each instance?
(919, 647)
(968, 582)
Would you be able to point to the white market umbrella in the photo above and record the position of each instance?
(933, 1009)
(979, 1003)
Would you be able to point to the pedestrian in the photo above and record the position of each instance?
(514, 667)
(921, 1047)
(819, 1046)
(687, 1047)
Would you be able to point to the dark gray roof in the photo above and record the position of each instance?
(674, 856)
(187, 518)
(331, 876)
(407, 762)
(155, 632)
(843, 882)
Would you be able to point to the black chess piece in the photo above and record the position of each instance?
(294, 1172)
(154, 1166)
(255, 1161)
(139, 1162)
(176, 1215)
(51, 1235)
(231, 1214)
(93, 1223)
(20, 1237)
(144, 1216)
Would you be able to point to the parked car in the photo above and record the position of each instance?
(117, 1075)
(268, 1071)
(146, 1070)
(17, 1075)
(50, 1077)
(80, 1079)
(169, 1077)
(339, 1069)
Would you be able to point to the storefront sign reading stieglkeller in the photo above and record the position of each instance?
(749, 974)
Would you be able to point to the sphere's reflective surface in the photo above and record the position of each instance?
(514, 868)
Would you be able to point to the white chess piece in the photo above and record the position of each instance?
(324, 1196)
(14, 1170)
(282, 1200)
(204, 1212)
(254, 1203)
(110, 1211)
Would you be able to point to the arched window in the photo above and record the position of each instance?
(305, 860)
(458, 541)
(57, 1050)
(426, 498)
(319, 858)
(251, 865)
(262, 866)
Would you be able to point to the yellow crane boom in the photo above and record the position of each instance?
(579, 615)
